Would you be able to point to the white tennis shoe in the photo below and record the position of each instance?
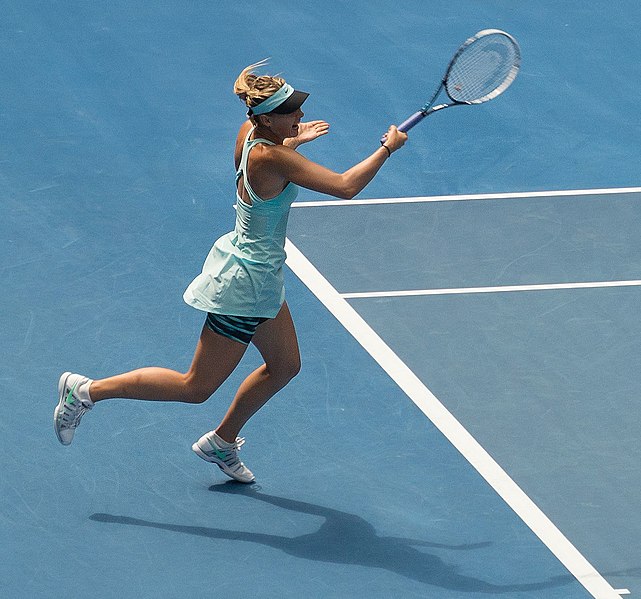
(211, 448)
(71, 406)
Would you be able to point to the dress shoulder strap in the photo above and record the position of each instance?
(242, 168)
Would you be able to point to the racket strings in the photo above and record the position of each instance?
(483, 69)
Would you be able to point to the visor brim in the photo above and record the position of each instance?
(292, 104)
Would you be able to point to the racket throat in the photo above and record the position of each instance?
(441, 106)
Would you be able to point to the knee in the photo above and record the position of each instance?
(286, 370)
(195, 392)
(294, 368)
(197, 397)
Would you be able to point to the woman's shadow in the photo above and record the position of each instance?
(346, 538)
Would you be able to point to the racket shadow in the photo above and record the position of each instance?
(345, 538)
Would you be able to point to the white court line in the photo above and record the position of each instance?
(506, 288)
(471, 197)
(511, 493)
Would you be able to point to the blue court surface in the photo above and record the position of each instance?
(467, 420)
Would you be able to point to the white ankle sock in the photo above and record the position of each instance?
(82, 391)
(224, 444)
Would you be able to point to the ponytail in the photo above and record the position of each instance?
(252, 89)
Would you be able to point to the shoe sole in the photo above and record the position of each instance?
(201, 454)
(62, 386)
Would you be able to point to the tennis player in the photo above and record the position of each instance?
(241, 284)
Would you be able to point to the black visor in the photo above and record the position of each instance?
(292, 104)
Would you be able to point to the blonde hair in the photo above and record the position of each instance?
(252, 89)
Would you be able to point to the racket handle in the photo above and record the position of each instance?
(406, 125)
(416, 118)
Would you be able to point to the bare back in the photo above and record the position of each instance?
(264, 181)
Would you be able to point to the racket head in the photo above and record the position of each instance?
(483, 67)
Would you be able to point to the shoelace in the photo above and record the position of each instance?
(232, 460)
(71, 415)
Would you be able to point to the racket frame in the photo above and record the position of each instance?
(428, 108)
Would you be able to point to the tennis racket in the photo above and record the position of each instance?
(483, 67)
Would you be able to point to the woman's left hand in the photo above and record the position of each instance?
(310, 131)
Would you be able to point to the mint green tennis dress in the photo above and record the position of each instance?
(243, 273)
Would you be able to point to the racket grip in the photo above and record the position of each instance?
(416, 118)
(407, 124)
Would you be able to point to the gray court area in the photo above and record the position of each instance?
(547, 381)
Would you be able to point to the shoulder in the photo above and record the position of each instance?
(244, 129)
(276, 159)
(240, 140)
(270, 154)
(276, 153)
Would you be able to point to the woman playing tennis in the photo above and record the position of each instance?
(241, 283)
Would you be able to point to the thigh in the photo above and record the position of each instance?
(215, 359)
(277, 342)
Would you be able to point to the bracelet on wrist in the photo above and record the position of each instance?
(389, 152)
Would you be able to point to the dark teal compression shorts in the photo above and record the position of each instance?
(237, 328)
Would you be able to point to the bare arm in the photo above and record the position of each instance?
(294, 167)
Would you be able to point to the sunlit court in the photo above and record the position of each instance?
(463, 419)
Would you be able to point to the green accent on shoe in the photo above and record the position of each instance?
(69, 399)
(220, 454)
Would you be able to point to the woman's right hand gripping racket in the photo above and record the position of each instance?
(482, 68)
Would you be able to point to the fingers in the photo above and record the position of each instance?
(394, 129)
(311, 130)
(321, 127)
(394, 138)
